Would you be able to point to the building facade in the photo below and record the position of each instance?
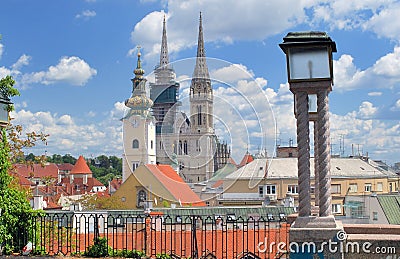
(275, 182)
(139, 128)
(186, 142)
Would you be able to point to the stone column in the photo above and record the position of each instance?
(325, 201)
(316, 168)
(303, 160)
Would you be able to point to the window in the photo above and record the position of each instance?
(180, 148)
(270, 189)
(141, 199)
(292, 189)
(353, 188)
(151, 144)
(185, 148)
(336, 188)
(379, 187)
(261, 190)
(368, 187)
(374, 215)
(336, 208)
(199, 122)
(390, 187)
(290, 154)
(135, 165)
(135, 143)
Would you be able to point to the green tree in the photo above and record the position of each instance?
(55, 158)
(16, 213)
(67, 158)
(14, 205)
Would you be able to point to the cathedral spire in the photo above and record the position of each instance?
(164, 60)
(201, 69)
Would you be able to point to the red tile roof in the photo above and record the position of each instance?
(246, 159)
(22, 180)
(37, 170)
(217, 184)
(81, 167)
(65, 167)
(95, 182)
(116, 183)
(175, 185)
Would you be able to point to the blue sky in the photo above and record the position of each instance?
(73, 61)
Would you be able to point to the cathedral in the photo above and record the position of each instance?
(155, 130)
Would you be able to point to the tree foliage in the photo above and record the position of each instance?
(16, 212)
(95, 202)
(14, 205)
(7, 90)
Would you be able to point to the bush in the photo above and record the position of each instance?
(100, 248)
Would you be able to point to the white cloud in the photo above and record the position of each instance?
(388, 65)
(367, 110)
(91, 114)
(383, 74)
(71, 70)
(22, 61)
(396, 106)
(225, 27)
(68, 136)
(1, 50)
(4, 72)
(375, 93)
(375, 15)
(382, 22)
(86, 14)
(232, 73)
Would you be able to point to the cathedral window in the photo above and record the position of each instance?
(185, 148)
(135, 143)
(180, 148)
(199, 119)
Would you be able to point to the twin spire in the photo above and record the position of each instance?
(200, 70)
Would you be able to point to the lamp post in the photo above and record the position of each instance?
(4, 114)
(310, 76)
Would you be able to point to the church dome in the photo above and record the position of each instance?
(141, 102)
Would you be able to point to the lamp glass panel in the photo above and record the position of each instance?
(3, 113)
(312, 103)
(309, 63)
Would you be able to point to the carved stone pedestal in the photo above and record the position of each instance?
(316, 237)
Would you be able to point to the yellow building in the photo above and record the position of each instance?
(156, 186)
(274, 181)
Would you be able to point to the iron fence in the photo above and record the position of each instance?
(189, 236)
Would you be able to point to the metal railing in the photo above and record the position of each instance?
(193, 236)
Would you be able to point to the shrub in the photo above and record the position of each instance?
(100, 248)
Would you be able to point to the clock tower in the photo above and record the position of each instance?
(139, 130)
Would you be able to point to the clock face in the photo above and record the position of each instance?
(309, 64)
(134, 121)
